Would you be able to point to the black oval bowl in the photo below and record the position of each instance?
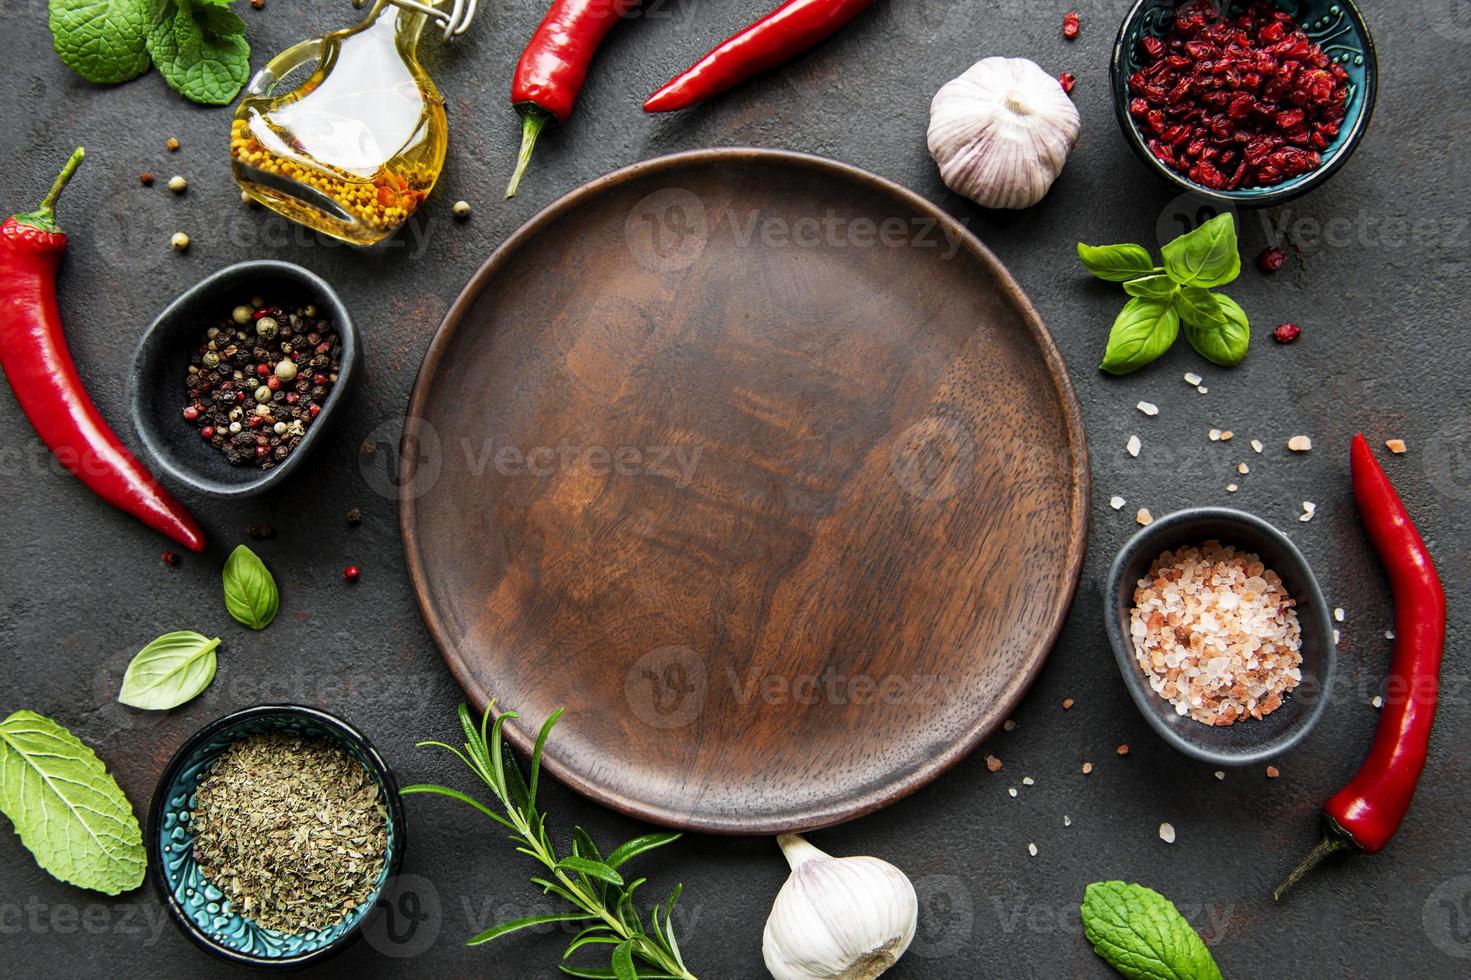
(156, 387)
(1251, 740)
(1335, 24)
(194, 905)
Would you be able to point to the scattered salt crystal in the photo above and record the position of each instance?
(1148, 408)
(1232, 488)
(1378, 701)
(1220, 774)
(1395, 446)
(1256, 445)
(1167, 833)
(1116, 502)
(1191, 378)
(1338, 614)
(1067, 821)
(993, 764)
(1214, 435)
(1008, 725)
(1133, 445)
(1028, 781)
(1144, 516)
(1202, 389)
(1087, 768)
(1226, 435)
(1389, 634)
(1243, 469)
(1308, 510)
(1032, 849)
(1335, 637)
(1273, 772)
(1011, 791)
(1299, 444)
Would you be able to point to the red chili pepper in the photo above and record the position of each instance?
(780, 36)
(36, 360)
(551, 71)
(1365, 814)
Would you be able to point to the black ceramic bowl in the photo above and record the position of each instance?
(200, 909)
(156, 388)
(1249, 741)
(1335, 25)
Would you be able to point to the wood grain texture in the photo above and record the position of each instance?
(761, 466)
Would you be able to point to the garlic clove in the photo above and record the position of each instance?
(1001, 132)
(837, 918)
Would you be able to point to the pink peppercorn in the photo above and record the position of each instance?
(1067, 81)
(1070, 25)
(1271, 259)
(351, 573)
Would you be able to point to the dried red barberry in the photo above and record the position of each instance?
(1287, 333)
(1070, 25)
(1271, 259)
(351, 573)
(1067, 81)
(1245, 100)
(169, 558)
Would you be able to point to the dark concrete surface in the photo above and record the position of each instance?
(1377, 277)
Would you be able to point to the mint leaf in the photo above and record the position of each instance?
(171, 670)
(1151, 287)
(1206, 257)
(250, 591)
(1225, 343)
(66, 807)
(200, 49)
(1142, 935)
(1144, 330)
(104, 41)
(1116, 263)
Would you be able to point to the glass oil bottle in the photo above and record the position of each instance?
(356, 147)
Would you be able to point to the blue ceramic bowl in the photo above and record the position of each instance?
(1249, 741)
(1335, 25)
(200, 909)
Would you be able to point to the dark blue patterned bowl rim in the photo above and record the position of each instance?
(244, 722)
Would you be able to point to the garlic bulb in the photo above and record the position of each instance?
(839, 918)
(1001, 132)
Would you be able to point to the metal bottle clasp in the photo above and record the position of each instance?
(454, 20)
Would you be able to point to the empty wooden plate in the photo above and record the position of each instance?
(764, 469)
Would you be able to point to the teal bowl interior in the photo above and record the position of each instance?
(199, 908)
(1335, 25)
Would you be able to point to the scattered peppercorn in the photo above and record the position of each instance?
(260, 532)
(257, 4)
(1287, 333)
(170, 558)
(179, 242)
(1067, 80)
(461, 209)
(172, 144)
(351, 573)
(258, 378)
(1271, 259)
(355, 516)
(178, 184)
(146, 178)
(1071, 24)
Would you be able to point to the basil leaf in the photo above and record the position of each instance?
(250, 591)
(1199, 307)
(171, 670)
(1142, 935)
(104, 41)
(1151, 287)
(1225, 344)
(200, 49)
(66, 807)
(1144, 330)
(1116, 263)
(1206, 257)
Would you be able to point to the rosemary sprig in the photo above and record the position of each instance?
(587, 881)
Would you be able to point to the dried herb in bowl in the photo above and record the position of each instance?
(293, 830)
